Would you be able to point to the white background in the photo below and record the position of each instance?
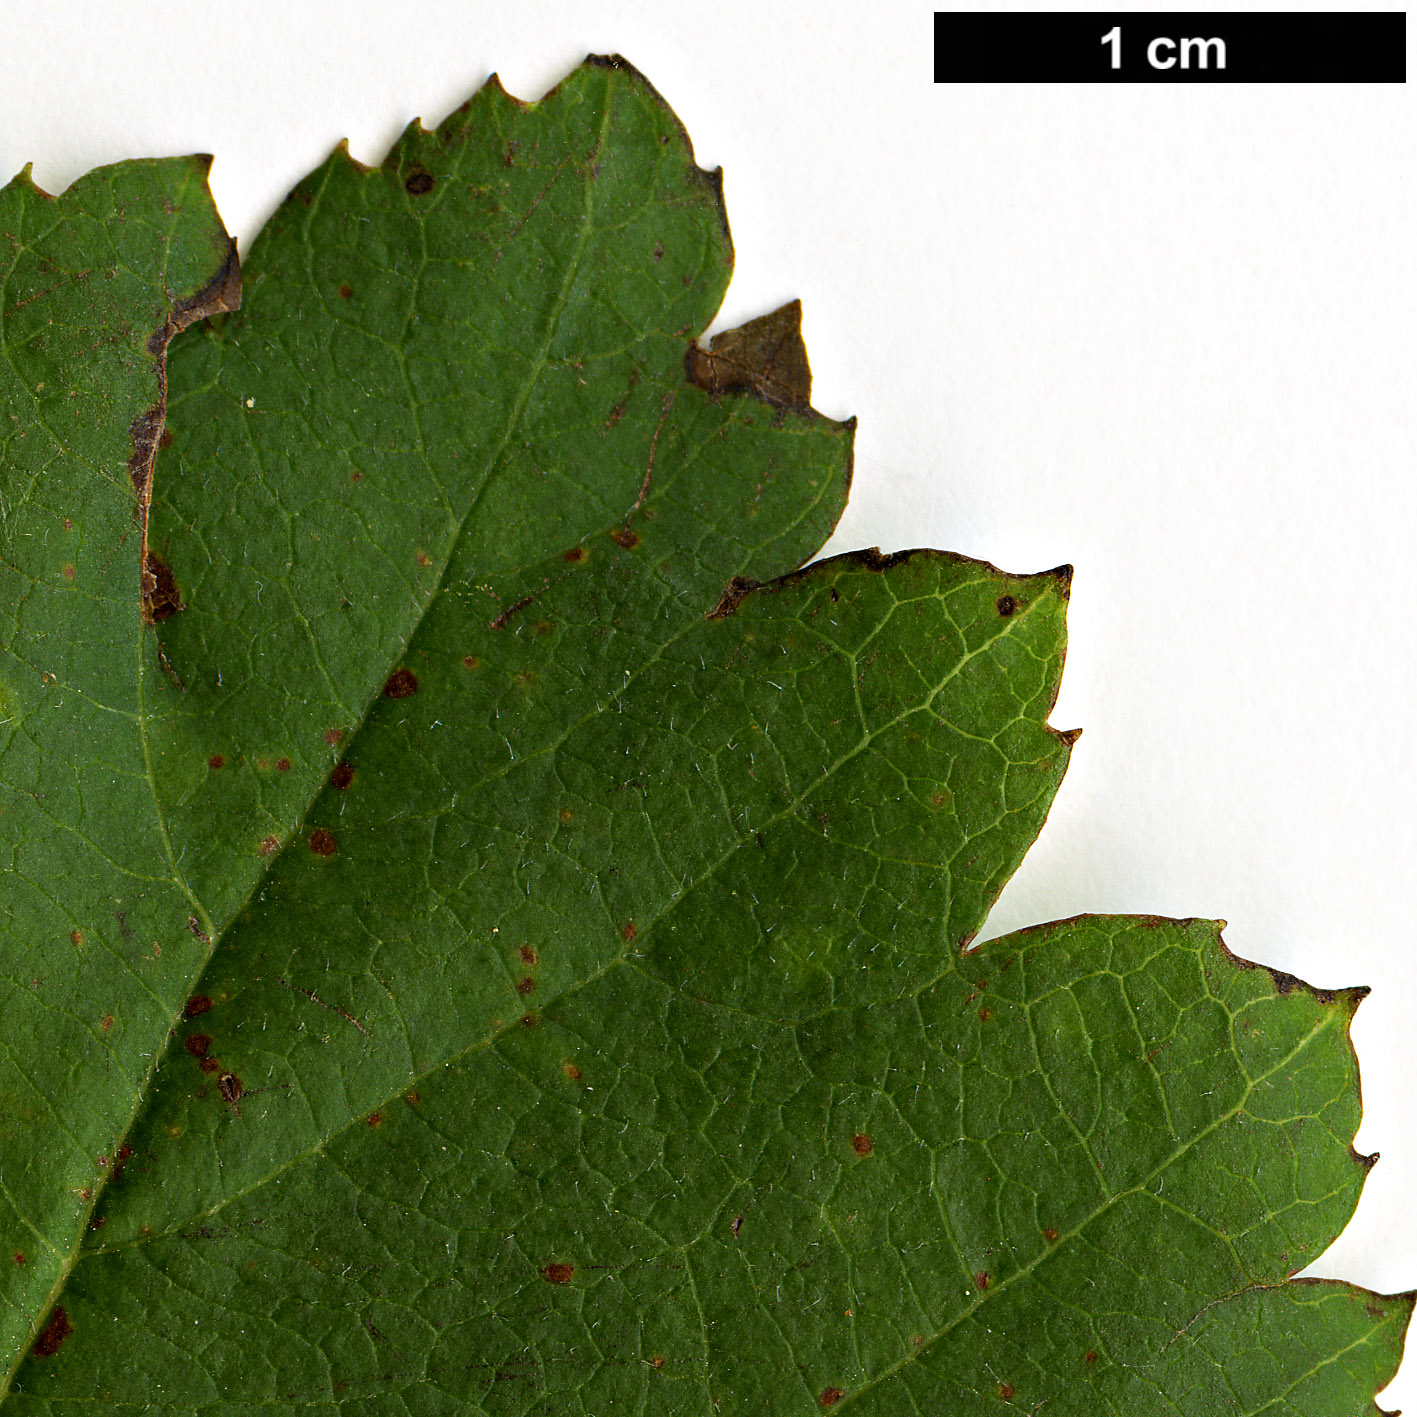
(1162, 332)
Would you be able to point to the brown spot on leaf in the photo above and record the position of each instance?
(196, 1005)
(322, 842)
(334, 736)
(765, 358)
(282, 764)
(527, 955)
(985, 1014)
(629, 930)
(1090, 1357)
(1006, 1391)
(418, 182)
(1006, 605)
(525, 984)
(55, 1332)
(216, 762)
(341, 777)
(530, 1020)
(19, 1257)
(982, 1279)
(571, 1071)
(231, 1087)
(375, 1119)
(566, 815)
(624, 538)
(161, 598)
(558, 1273)
(575, 555)
(423, 559)
(470, 661)
(413, 1099)
(656, 1361)
(269, 846)
(68, 572)
(210, 1065)
(401, 684)
(1050, 1234)
(345, 291)
(831, 1396)
(165, 440)
(76, 937)
(198, 1045)
(862, 1145)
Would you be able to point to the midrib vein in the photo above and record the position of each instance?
(214, 936)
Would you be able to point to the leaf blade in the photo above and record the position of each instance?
(601, 1028)
(94, 283)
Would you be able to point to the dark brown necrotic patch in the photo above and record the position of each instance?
(341, 777)
(55, 1332)
(322, 842)
(765, 358)
(558, 1273)
(197, 1004)
(161, 598)
(732, 597)
(198, 1045)
(401, 684)
(1006, 605)
(419, 182)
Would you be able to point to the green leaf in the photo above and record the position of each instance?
(487, 933)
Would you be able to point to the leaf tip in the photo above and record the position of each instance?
(26, 176)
